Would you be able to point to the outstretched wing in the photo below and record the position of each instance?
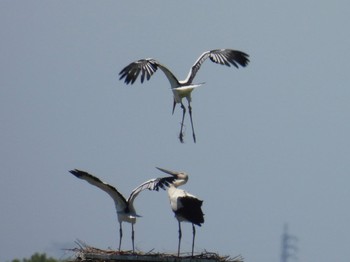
(147, 67)
(226, 57)
(152, 184)
(119, 199)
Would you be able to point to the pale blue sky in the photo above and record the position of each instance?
(272, 139)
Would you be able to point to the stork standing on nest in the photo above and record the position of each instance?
(183, 89)
(125, 208)
(187, 207)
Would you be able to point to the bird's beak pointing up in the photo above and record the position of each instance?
(173, 173)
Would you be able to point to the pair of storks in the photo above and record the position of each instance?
(182, 89)
(186, 207)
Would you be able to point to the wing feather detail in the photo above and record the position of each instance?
(152, 184)
(226, 57)
(147, 67)
(119, 199)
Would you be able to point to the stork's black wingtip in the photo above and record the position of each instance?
(76, 172)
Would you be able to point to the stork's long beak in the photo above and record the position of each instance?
(173, 173)
(174, 105)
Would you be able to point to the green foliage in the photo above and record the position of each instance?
(36, 257)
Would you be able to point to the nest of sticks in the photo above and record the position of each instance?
(84, 252)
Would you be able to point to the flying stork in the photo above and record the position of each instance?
(182, 89)
(187, 207)
(125, 208)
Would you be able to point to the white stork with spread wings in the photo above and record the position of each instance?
(125, 208)
(182, 89)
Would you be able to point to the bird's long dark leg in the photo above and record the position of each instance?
(194, 235)
(180, 235)
(174, 105)
(120, 235)
(190, 111)
(182, 122)
(132, 237)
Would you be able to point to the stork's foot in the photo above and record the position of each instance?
(181, 137)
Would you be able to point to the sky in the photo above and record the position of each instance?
(272, 138)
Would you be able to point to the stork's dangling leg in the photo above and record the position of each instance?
(174, 105)
(190, 111)
(120, 235)
(180, 235)
(194, 235)
(182, 122)
(132, 237)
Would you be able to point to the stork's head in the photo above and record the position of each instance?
(181, 177)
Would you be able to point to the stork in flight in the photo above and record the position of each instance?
(182, 89)
(187, 207)
(125, 208)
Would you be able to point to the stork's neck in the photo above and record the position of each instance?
(181, 180)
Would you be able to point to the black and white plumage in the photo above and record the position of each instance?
(186, 207)
(182, 89)
(125, 208)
